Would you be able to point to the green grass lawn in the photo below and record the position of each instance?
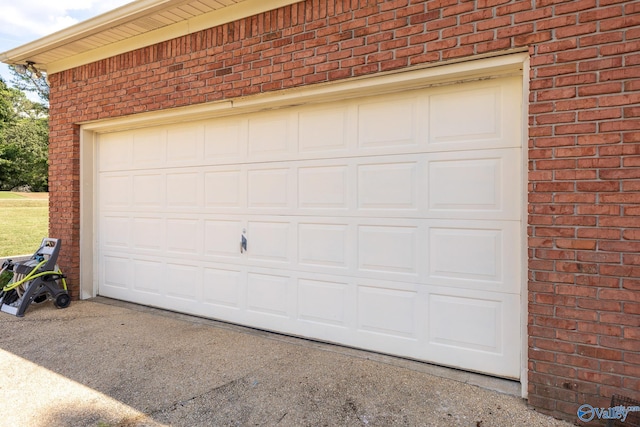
(10, 195)
(24, 221)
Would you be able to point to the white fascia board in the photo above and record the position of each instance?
(83, 29)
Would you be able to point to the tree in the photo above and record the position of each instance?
(7, 113)
(24, 137)
(24, 152)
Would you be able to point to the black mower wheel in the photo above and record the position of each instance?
(62, 301)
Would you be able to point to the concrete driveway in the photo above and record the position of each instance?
(105, 363)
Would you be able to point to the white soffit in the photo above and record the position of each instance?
(132, 26)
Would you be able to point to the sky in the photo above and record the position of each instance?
(23, 21)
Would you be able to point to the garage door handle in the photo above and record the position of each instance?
(243, 244)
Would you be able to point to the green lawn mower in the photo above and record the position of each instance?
(36, 280)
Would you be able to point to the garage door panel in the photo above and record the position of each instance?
(270, 242)
(472, 254)
(324, 245)
(148, 276)
(474, 330)
(401, 305)
(268, 294)
(489, 112)
(324, 302)
(388, 222)
(323, 187)
(184, 284)
(388, 249)
(324, 130)
(269, 188)
(148, 233)
(387, 311)
(115, 233)
(149, 149)
(225, 140)
(149, 191)
(116, 192)
(480, 184)
(465, 184)
(375, 117)
(115, 273)
(272, 135)
(222, 239)
(222, 189)
(475, 255)
(463, 322)
(184, 236)
(185, 145)
(389, 185)
(223, 287)
(184, 190)
(115, 152)
(480, 108)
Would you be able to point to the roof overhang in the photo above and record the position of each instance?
(135, 25)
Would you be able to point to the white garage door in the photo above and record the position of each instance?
(390, 223)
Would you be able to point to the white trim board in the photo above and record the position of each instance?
(378, 84)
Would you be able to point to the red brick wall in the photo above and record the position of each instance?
(584, 143)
